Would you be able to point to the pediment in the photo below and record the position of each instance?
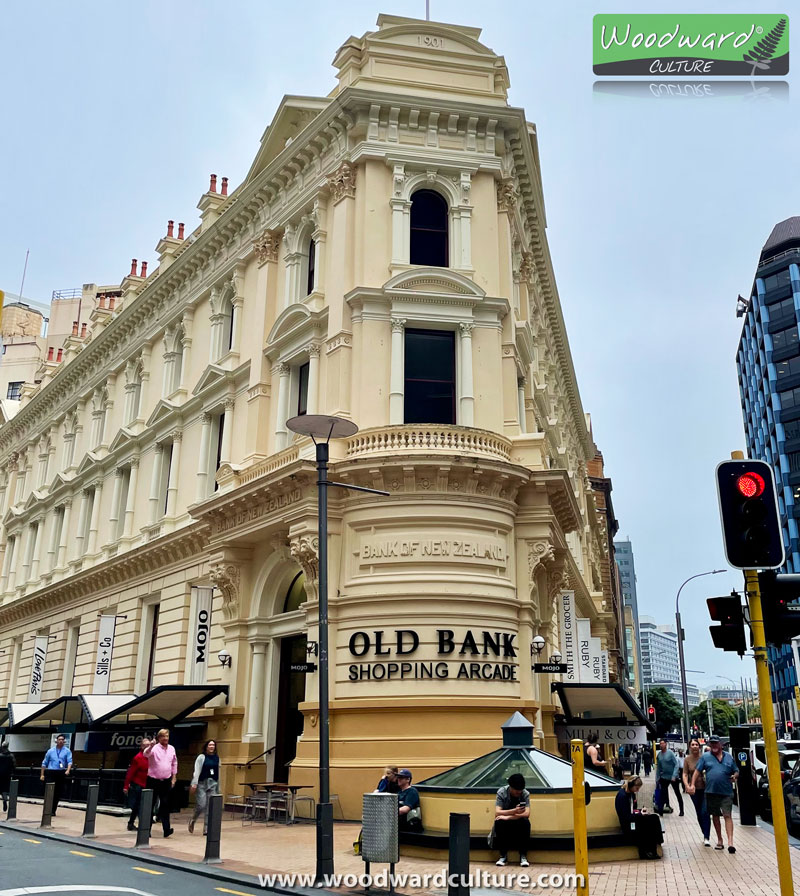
(34, 498)
(164, 410)
(87, 465)
(211, 376)
(293, 322)
(10, 518)
(434, 281)
(57, 481)
(122, 438)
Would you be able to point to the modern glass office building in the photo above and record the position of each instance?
(768, 366)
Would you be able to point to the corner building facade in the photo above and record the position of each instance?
(385, 260)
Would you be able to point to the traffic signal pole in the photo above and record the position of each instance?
(770, 736)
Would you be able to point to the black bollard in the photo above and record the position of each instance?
(145, 820)
(214, 835)
(458, 865)
(47, 805)
(92, 796)
(13, 793)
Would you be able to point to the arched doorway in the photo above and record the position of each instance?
(291, 685)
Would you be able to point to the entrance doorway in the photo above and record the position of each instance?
(291, 692)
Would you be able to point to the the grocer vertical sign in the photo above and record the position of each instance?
(691, 45)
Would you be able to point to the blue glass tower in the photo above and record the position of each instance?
(768, 365)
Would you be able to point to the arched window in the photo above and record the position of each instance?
(296, 595)
(227, 325)
(429, 237)
(312, 252)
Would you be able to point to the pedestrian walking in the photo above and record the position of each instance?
(666, 777)
(136, 781)
(636, 761)
(591, 755)
(56, 766)
(720, 773)
(205, 782)
(637, 825)
(7, 766)
(162, 773)
(647, 759)
(512, 821)
(697, 793)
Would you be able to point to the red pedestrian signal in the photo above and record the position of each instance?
(781, 614)
(748, 507)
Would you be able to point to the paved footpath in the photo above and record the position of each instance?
(687, 866)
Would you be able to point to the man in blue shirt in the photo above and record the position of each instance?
(720, 773)
(56, 765)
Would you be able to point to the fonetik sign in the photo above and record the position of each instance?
(493, 647)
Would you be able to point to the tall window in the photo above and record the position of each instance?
(125, 486)
(58, 530)
(429, 239)
(430, 377)
(302, 389)
(14, 391)
(220, 421)
(165, 470)
(70, 658)
(150, 614)
(312, 253)
(87, 521)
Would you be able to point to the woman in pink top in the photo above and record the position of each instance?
(162, 773)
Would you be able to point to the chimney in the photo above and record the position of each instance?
(213, 187)
(103, 301)
(74, 328)
(170, 228)
(133, 268)
(83, 330)
(50, 354)
(180, 230)
(224, 186)
(60, 354)
(111, 303)
(143, 272)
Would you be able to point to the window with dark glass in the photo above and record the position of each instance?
(302, 389)
(429, 240)
(430, 376)
(218, 457)
(312, 255)
(14, 391)
(784, 339)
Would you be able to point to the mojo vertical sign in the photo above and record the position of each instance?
(105, 654)
(37, 668)
(201, 635)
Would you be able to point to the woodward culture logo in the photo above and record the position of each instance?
(691, 45)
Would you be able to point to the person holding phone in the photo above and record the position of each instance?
(637, 825)
(56, 766)
(512, 824)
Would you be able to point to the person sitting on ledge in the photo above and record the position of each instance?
(637, 825)
(408, 803)
(512, 824)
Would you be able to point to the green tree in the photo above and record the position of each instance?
(668, 710)
(723, 714)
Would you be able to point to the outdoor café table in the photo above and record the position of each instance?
(270, 787)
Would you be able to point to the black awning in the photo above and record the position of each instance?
(165, 705)
(66, 711)
(606, 704)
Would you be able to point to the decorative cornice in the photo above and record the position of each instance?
(267, 246)
(226, 576)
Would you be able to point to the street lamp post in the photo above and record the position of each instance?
(322, 429)
(725, 678)
(711, 572)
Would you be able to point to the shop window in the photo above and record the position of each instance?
(429, 231)
(296, 595)
(430, 376)
(14, 391)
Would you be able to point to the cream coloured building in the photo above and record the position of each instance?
(385, 260)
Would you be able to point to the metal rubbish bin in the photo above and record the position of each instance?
(379, 820)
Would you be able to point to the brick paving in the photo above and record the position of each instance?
(687, 866)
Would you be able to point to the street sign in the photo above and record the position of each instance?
(553, 668)
(305, 668)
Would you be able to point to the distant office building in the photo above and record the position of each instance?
(674, 689)
(659, 653)
(623, 551)
(768, 367)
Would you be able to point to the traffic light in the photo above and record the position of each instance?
(781, 617)
(651, 713)
(730, 634)
(748, 508)
(789, 728)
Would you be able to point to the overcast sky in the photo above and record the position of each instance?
(657, 209)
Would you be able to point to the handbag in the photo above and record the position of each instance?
(414, 819)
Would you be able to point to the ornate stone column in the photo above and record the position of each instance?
(10, 565)
(237, 304)
(38, 549)
(94, 521)
(281, 433)
(466, 392)
(397, 373)
(116, 494)
(313, 402)
(521, 402)
(184, 339)
(61, 560)
(258, 671)
(174, 473)
(130, 506)
(80, 547)
(217, 323)
(201, 492)
(155, 482)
